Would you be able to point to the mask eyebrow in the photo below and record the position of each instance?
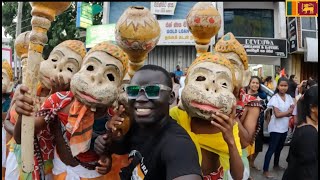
(73, 59)
(94, 59)
(112, 65)
(60, 52)
(223, 73)
(202, 68)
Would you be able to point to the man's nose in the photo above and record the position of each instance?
(142, 97)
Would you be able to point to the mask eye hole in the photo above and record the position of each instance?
(200, 78)
(90, 68)
(110, 77)
(54, 60)
(69, 69)
(224, 85)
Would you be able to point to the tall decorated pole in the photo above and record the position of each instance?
(43, 13)
(137, 33)
(21, 46)
(204, 22)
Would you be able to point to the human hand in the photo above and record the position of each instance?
(116, 119)
(24, 104)
(58, 84)
(105, 163)
(225, 124)
(101, 144)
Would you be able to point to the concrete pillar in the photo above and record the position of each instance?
(106, 12)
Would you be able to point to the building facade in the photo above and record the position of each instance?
(302, 36)
(260, 21)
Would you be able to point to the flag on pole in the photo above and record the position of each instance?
(283, 73)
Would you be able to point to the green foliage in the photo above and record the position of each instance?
(63, 28)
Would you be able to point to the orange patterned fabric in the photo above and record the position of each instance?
(80, 126)
(118, 162)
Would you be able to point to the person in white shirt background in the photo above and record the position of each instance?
(282, 105)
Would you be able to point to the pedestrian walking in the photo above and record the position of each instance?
(282, 105)
(303, 154)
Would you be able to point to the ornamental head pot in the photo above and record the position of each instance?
(204, 22)
(137, 33)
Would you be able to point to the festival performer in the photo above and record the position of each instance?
(69, 115)
(208, 116)
(7, 85)
(248, 106)
(63, 62)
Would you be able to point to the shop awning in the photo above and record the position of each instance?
(311, 50)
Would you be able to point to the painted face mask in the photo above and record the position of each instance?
(7, 77)
(65, 59)
(97, 84)
(230, 48)
(209, 86)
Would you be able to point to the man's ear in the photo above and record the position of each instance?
(246, 78)
(172, 98)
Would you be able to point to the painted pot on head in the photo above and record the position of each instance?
(137, 33)
(204, 22)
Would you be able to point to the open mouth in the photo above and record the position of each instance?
(204, 107)
(87, 97)
(142, 112)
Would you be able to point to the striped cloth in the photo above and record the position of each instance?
(79, 123)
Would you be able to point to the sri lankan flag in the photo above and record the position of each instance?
(302, 8)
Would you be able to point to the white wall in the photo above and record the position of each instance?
(264, 60)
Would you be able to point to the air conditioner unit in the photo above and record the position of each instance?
(311, 50)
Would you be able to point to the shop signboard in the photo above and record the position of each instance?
(163, 8)
(175, 33)
(292, 34)
(267, 47)
(99, 33)
(84, 15)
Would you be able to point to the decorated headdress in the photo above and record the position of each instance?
(21, 44)
(228, 43)
(76, 46)
(214, 58)
(115, 51)
(7, 67)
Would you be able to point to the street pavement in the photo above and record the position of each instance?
(257, 175)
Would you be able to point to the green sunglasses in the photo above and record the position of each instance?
(151, 91)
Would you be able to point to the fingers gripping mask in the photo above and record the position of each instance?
(65, 59)
(7, 77)
(98, 82)
(209, 86)
(229, 47)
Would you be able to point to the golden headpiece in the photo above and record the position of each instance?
(21, 44)
(76, 46)
(228, 43)
(6, 66)
(115, 51)
(214, 58)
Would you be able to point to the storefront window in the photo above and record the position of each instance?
(249, 22)
(262, 70)
(309, 28)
